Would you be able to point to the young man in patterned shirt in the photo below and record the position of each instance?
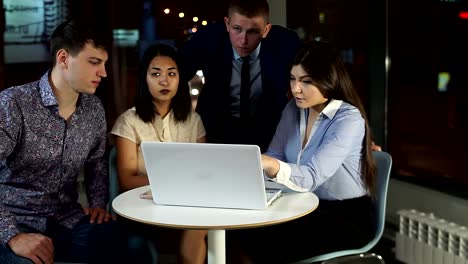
(50, 130)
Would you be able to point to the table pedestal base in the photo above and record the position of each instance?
(216, 246)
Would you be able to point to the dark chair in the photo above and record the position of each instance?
(383, 162)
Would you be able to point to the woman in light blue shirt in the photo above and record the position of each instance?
(322, 145)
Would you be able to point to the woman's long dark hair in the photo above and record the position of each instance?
(328, 73)
(181, 103)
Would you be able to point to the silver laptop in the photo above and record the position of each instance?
(207, 175)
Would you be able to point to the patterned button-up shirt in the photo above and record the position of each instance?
(42, 154)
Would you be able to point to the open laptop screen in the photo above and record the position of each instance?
(203, 174)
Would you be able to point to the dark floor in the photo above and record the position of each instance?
(385, 248)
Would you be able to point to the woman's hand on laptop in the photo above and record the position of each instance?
(270, 166)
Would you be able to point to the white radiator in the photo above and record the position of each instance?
(426, 239)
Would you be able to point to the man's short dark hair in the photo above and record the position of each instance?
(72, 35)
(250, 8)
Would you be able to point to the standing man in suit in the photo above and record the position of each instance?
(232, 110)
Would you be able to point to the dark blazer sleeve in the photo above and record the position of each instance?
(197, 52)
(210, 50)
(284, 42)
(276, 57)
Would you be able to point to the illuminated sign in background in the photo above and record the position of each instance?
(29, 24)
(24, 21)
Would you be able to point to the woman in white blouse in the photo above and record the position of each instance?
(162, 112)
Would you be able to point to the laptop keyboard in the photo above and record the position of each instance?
(270, 194)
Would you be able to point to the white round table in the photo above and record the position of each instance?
(288, 207)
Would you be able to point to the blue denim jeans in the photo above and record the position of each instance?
(8, 257)
(85, 243)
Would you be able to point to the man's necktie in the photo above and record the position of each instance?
(245, 90)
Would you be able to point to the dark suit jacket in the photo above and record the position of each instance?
(210, 50)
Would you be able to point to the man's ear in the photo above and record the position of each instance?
(266, 30)
(62, 57)
(226, 22)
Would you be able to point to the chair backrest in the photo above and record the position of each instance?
(383, 162)
(114, 188)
